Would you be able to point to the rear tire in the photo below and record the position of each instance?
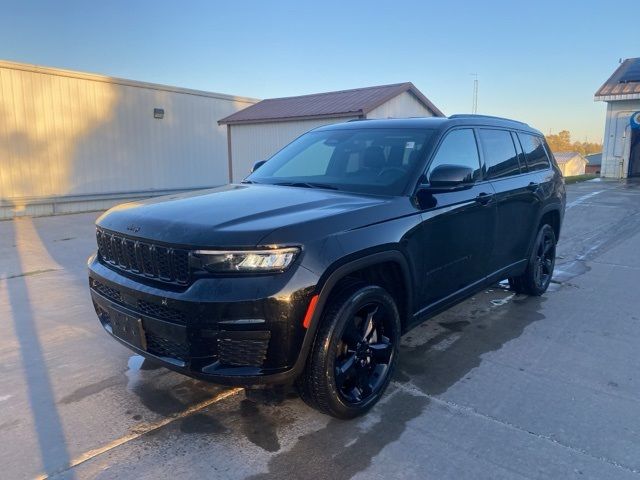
(354, 353)
(537, 277)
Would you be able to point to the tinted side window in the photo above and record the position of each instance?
(500, 153)
(516, 142)
(458, 148)
(534, 152)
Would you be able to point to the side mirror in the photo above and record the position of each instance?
(257, 165)
(449, 178)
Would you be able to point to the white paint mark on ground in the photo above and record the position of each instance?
(589, 251)
(409, 388)
(446, 343)
(351, 442)
(581, 199)
(502, 301)
(4, 398)
(366, 424)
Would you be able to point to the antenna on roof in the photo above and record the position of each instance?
(474, 106)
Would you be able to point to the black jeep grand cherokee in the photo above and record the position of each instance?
(312, 268)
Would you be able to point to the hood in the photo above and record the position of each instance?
(233, 215)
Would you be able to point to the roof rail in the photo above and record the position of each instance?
(473, 115)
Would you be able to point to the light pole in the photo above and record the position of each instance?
(474, 106)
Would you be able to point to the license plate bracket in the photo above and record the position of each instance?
(129, 329)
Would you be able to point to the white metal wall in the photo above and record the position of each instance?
(616, 148)
(259, 141)
(402, 106)
(81, 138)
(575, 166)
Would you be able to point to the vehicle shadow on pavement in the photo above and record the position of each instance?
(52, 444)
(434, 357)
(343, 448)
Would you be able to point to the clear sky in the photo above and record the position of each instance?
(537, 61)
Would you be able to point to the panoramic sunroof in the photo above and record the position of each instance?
(632, 74)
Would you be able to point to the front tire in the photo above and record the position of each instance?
(354, 353)
(537, 277)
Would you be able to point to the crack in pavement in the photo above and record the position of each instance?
(414, 390)
(143, 430)
(29, 274)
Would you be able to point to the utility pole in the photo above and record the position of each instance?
(474, 107)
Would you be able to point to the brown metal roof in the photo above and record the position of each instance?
(564, 157)
(344, 103)
(617, 89)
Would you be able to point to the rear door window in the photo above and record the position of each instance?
(516, 142)
(500, 155)
(534, 152)
(459, 148)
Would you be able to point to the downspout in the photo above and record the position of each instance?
(229, 155)
(625, 152)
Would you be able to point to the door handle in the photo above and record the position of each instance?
(533, 186)
(484, 198)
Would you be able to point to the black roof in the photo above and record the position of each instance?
(594, 158)
(433, 123)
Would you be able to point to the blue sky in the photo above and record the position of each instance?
(538, 61)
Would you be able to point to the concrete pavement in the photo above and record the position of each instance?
(501, 386)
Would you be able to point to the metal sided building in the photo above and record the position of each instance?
(571, 163)
(621, 149)
(72, 141)
(259, 131)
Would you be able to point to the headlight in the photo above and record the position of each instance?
(264, 260)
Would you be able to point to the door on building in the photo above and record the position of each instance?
(634, 154)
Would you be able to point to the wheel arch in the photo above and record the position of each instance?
(341, 271)
(367, 267)
(552, 216)
(551, 213)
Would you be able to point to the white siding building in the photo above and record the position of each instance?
(571, 163)
(72, 141)
(621, 149)
(259, 131)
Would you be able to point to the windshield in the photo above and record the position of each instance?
(368, 160)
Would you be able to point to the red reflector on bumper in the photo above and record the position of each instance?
(310, 310)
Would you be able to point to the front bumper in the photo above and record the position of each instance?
(228, 330)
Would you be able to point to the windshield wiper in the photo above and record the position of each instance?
(307, 185)
(249, 181)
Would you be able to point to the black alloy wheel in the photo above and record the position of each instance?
(537, 277)
(354, 353)
(365, 353)
(545, 259)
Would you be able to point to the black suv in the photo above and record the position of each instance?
(311, 269)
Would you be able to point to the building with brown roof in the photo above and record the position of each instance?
(621, 149)
(571, 163)
(258, 131)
